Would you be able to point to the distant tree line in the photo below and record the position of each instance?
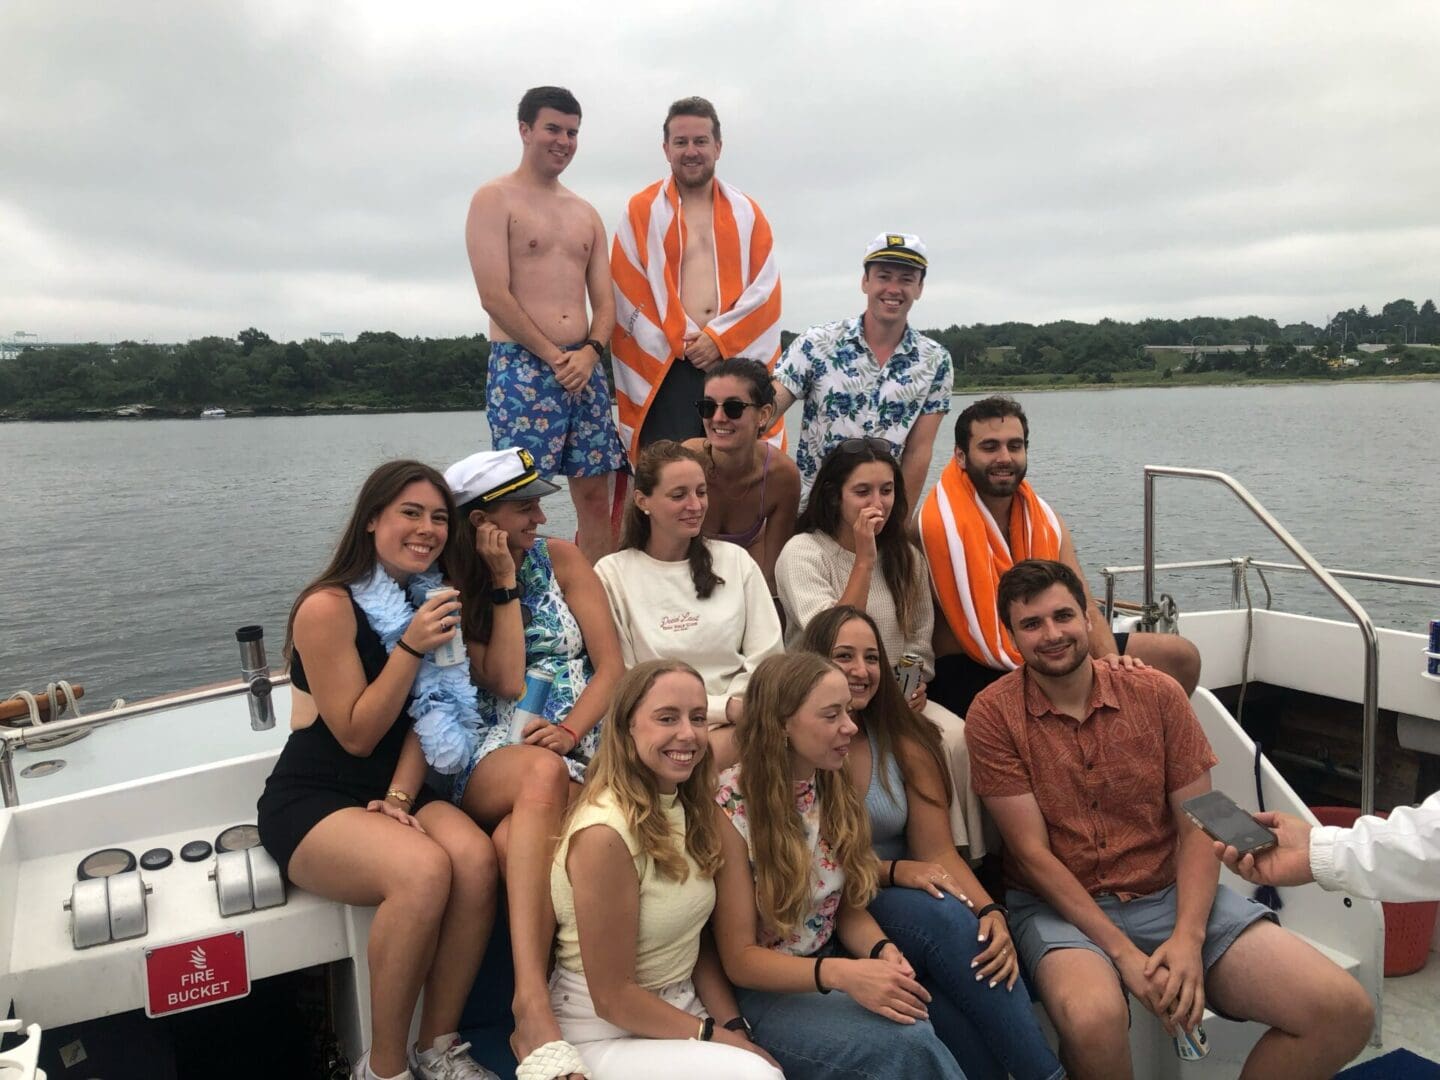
(382, 370)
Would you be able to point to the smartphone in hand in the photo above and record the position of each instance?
(1219, 816)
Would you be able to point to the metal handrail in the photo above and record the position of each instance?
(1209, 564)
(13, 738)
(1371, 713)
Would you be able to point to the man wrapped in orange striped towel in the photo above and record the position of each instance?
(695, 283)
(981, 519)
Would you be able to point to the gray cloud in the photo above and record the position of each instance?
(174, 169)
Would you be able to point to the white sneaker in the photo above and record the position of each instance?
(361, 1071)
(452, 1063)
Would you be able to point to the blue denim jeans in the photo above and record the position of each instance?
(990, 1031)
(834, 1037)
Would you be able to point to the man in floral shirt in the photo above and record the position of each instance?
(871, 375)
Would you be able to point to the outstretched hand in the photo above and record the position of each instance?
(1287, 863)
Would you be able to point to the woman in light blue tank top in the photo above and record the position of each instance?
(932, 899)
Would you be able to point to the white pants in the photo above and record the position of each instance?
(612, 1053)
(966, 822)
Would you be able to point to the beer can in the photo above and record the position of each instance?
(532, 705)
(907, 673)
(1432, 662)
(1192, 1045)
(452, 652)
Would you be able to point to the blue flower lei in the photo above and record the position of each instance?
(442, 701)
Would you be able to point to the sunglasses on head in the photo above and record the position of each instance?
(734, 407)
(869, 442)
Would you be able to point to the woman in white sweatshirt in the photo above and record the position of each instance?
(676, 595)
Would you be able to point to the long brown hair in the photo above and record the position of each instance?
(635, 529)
(897, 557)
(782, 858)
(617, 770)
(888, 716)
(354, 556)
(471, 575)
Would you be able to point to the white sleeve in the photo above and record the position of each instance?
(612, 578)
(762, 628)
(1396, 859)
(804, 587)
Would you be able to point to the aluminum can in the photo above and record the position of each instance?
(907, 673)
(532, 705)
(1432, 662)
(1192, 1045)
(452, 652)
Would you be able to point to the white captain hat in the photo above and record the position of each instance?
(491, 476)
(906, 249)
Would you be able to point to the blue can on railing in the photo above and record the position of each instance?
(1432, 662)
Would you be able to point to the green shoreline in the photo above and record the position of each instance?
(1179, 381)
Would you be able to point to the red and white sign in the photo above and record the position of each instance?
(193, 974)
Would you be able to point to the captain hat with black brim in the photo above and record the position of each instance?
(904, 249)
(490, 476)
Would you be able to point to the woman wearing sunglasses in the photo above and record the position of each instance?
(678, 596)
(754, 486)
(850, 548)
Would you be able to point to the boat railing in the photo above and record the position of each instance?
(15, 738)
(1151, 612)
(1238, 564)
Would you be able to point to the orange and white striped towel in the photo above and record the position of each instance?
(650, 322)
(967, 554)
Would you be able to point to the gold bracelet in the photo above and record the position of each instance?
(398, 795)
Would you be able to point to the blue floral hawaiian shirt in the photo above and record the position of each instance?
(848, 394)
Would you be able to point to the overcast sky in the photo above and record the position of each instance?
(173, 169)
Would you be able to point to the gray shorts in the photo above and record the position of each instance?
(1148, 921)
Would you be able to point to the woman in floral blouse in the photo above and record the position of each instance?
(798, 872)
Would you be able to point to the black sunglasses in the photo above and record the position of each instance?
(734, 407)
(869, 442)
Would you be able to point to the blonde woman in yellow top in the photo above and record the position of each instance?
(635, 989)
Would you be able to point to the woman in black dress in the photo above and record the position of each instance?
(345, 813)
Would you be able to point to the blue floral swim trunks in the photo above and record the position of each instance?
(566, 434)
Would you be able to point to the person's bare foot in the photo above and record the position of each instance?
(534, 1027)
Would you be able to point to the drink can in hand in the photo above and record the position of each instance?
(532, 706)
(907, 673)
(452, 652)
(1191, 1045)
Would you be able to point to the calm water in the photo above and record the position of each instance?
(131, 551)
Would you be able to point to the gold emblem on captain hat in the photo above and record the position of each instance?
(894, 240)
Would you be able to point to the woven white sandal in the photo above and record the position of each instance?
(550, 1060)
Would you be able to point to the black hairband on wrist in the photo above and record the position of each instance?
(879, 947)
(402, 644)
(993, 907)
(819, 986)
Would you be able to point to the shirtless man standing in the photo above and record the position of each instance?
(537, 250)
(709, 291)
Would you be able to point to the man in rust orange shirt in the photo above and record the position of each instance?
(1112, 889)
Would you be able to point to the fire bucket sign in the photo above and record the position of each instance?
(193, 974)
